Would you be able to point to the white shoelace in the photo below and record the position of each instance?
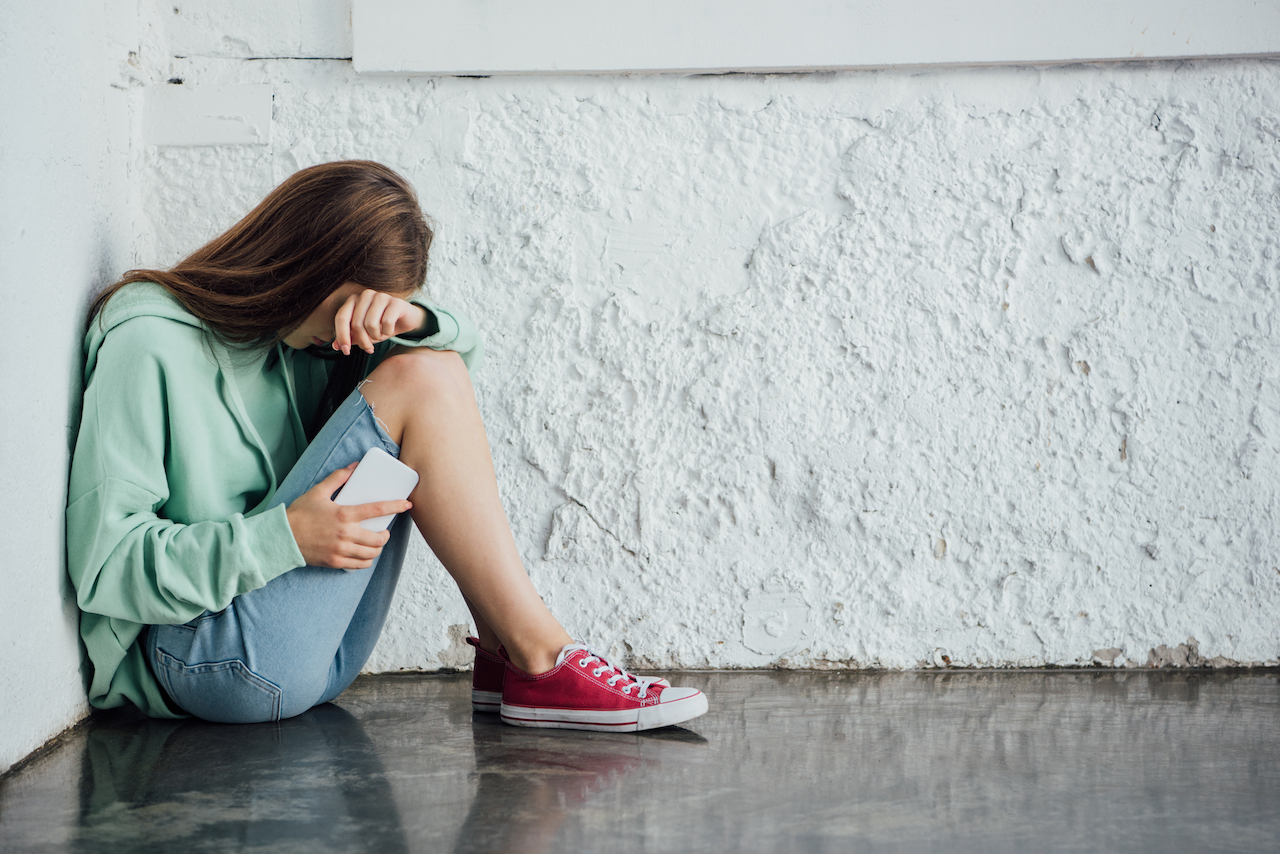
(585, 655)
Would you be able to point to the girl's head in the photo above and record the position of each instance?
(324, 227)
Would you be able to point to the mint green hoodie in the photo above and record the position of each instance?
(170, 478)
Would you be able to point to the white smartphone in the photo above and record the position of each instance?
(379, 477)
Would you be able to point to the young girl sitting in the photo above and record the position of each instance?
(226, 401)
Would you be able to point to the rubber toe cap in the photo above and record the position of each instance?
(671, 695)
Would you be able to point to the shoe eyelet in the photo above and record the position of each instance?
(582, 662)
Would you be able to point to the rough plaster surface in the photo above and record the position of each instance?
(968, 368)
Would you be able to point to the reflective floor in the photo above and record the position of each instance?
(785, 761)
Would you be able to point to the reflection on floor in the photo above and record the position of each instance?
(785, 761)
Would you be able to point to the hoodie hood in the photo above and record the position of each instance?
(139, 299)
(148, 299)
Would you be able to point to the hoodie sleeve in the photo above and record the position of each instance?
(446, 330)
(126, 560)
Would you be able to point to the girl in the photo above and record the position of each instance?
(226, 401)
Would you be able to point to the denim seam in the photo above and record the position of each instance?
(390, 447)
(388, 444)
(163, 673)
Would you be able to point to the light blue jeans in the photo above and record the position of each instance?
(301, 640)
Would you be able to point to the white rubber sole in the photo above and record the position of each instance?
(626, 720)
(488, 702)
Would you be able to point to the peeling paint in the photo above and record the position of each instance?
(458, 655)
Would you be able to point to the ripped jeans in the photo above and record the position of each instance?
(301, 640)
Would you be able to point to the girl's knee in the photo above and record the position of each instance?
(423, 369)
(413, 378)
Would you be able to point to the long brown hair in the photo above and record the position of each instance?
(348, 221)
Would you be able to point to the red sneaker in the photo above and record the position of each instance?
(585, 691)
(486, 679)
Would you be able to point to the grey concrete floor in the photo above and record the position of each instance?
(785, 761)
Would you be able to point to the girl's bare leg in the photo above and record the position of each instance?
(489, 640)
(425, 401)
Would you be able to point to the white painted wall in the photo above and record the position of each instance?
(862, 369)
(64, 229)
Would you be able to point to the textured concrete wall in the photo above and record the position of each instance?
(63, 232)
(898, 369)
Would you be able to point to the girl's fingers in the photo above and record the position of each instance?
(374, 509)
(359, 320)
(373, 318)
(342, 325)
(369, 539)
(392, 310)
(391, 317)
(366, 318)
(335, 479)
(360, 553)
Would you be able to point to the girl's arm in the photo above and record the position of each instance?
(376, 321)
(453, 331)
(444, 329)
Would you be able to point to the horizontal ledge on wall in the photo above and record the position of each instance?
(209, 114)
(493, 37)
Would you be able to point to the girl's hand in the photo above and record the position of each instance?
(368, 316)
(329, 534)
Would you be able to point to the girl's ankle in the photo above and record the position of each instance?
(536, 659)
(489, 644)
